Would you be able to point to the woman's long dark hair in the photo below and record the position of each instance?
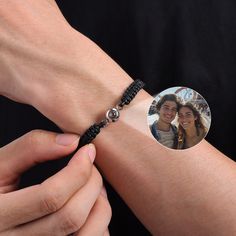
(198, 122)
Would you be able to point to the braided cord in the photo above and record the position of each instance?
(112, 115)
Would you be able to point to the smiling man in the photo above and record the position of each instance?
(162, 129)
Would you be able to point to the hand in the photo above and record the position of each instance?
(44, 62)
(30, 37)
(70, 201)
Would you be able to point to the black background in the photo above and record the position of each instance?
(164, 43)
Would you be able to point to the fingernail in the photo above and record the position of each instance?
(91, 152)
(66, 139)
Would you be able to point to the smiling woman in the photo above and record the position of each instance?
(184, 130)
(191, 128)
(66, 76)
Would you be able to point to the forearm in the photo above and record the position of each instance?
(172, 192)
(165, 188)
(85, 86)
(71, 81)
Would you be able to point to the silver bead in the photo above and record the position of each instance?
(119, 107)
(113, 114)
(105, 122)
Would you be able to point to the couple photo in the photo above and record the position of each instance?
(181, 120)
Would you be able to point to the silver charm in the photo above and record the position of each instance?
(113, 114)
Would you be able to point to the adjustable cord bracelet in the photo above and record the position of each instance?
(113, 114)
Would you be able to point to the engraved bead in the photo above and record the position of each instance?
(113, 114)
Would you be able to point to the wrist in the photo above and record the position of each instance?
(79, 92)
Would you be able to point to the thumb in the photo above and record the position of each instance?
(34, 147)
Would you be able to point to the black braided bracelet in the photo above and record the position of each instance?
(112, 114)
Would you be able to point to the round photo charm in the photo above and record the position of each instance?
(179, 118)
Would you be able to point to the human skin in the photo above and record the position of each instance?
(80, 205)
(187, 120)
(171, 192)
(167, 114)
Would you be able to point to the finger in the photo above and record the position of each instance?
(32, 148)
(98, 220)
(34, 202)
(72, 216)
